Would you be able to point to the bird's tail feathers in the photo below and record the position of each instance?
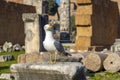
(67, 54)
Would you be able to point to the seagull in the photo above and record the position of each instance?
(52, 45)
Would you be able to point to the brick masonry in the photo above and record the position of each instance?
(11, 23)
(102, 17)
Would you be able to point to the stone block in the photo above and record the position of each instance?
(6, 76)
(83, 41)
(81, 48)
(39, 5)
(84, 9)
(7, 46)
(32, 27)
(33, 57)
(29, 58)
(4, 58)
(45, 71)
(83, 20)
(17, 47)
(34, 31)
(22, 58)
(84, 31)
(116, 46)
(83, 1)
(16, 1)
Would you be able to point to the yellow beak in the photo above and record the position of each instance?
(50, 27)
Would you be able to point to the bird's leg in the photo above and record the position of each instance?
(54, 58)
(50, 58)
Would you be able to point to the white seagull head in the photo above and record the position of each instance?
(47, 27)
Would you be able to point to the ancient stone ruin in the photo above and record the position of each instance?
(34, 36)
(64, 15)
(96, 23)
(11, 23)
(97, 28)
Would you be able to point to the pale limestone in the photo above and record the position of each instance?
(32, 39)
(45, 71)
(64, 15)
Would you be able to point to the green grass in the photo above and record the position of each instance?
(5, 66)
(105, 76)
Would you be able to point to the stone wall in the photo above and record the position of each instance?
(83, 24)
(11, 23)
(118, 1)
(98, 20)
(104, 22)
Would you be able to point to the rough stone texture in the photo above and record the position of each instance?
(83, 1)
(69, 59)
(45, 71)
(35, 35)
(45, 57)
(94, 61)
(6, 76)
(34, 57)
(84, 9)
(64, 15)
(83, 20)
(34, 24)
(84, 25)
(118, 2)
(83, 41)
(84, 31)
(112, 63)
(17, 47)
(104, 22)
(116, 46)
(32, 40)
(38, 4)
(22, 58)
(15, 1)
(4, 58)
(103, 15)
(11, 23)
(82, 48)
(7, 46)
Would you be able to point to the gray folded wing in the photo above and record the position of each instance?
(59, 47)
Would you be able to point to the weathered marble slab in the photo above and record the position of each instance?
(46, 71)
